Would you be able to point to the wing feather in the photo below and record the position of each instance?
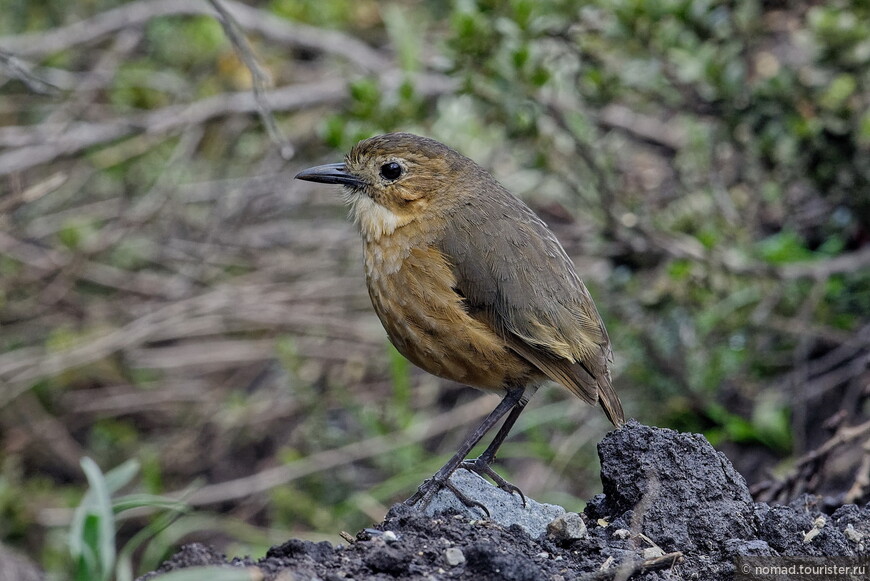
(514, 275)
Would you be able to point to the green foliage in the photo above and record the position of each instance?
(132, 87)
(332, 14)
(92, 535)
(784, 247)
(373, 111)
(187, 43)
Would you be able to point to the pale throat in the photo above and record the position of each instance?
(374, 220)
(387, 237)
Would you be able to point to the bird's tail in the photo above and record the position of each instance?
(610, 401)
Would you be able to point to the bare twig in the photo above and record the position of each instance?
(808, 465)
(260, 79)
(860, 488)
(267, 479)
(47, 436)
(644, 127)
(138, 13)
(52, 143)
(627, 569)
(102, 72)
(730, 260)
(79, 136)
(33, 193)
(18, 69)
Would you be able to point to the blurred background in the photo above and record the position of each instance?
(178, 309)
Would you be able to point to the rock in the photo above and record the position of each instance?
(505, 508)
(566, 527)
(684, 494)
(454, 556)
(672, 488)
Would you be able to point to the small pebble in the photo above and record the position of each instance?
(454, 556)
(652, 552)
(811, 534)
(621, 534)
(567, 527)
(853, 535)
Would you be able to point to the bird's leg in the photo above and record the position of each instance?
(441, 478)
(481, 465)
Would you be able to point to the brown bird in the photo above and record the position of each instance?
(470, 285)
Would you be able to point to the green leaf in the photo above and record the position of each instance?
(840, 89)
(120, 476)
(132, 501)
(92, 533)
(864, 129)
(784, 247)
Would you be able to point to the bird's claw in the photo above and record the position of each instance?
(482, 468)
(430, 487)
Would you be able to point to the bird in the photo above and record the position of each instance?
(470, 285)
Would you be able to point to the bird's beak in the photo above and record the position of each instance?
(331, 173)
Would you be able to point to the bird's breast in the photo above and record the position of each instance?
(412, 291)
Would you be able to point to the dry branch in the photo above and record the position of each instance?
(627, 569)
(47, 144)
(808, 466)
(17, 69)
(138, 13)
(418, 431)
(260, 78)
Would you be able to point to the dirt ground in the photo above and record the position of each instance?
(672, 508)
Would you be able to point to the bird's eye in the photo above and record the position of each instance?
(391, 171)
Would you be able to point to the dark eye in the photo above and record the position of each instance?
(391, 171)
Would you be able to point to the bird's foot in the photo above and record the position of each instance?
(430, 488)
(481, 467)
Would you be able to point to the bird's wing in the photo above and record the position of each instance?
(515, 276)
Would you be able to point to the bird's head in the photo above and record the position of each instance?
(394, 179)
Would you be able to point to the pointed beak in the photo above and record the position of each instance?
(331, 173)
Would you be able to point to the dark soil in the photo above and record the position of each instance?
(672, 508)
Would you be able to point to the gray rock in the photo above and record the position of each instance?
(567, 527)
(505, 508)
(454, 556)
